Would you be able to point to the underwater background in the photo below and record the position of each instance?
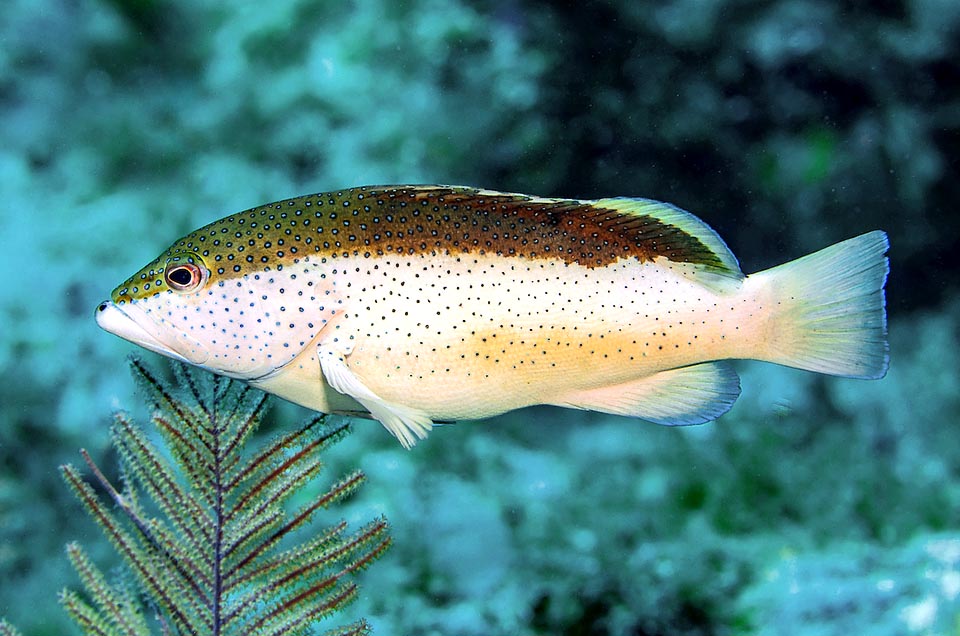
(816, 506)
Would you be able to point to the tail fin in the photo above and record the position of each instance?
(832, 317)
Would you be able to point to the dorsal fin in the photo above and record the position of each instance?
(681, 236)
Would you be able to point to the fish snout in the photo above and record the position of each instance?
(102, 315)
(137, 326)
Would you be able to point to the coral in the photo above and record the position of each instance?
(207, 537)
(910, 590)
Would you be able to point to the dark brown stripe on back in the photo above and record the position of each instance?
(409, 220)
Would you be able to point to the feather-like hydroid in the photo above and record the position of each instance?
(204, 525)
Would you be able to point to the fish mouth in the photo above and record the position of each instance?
(133, 324)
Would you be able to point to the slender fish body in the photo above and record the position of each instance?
(420, 304)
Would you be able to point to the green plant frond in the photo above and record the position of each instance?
(313, 603)
(247, 422)
(130, 606)
(91, 578)
(318, 569)
(114, 604)
(178, 601)
(139, 549)
(84, 615)
(128, 490)
(205, 389)
(360, 628)
(121, 539)
(151, 574)
(188, 517)
(274, 488)
(365, 547)
(256, 533)
(320, 431)
(244, 542)
(272, 476)
(271, 482)
(295, 578)
(244, 416)
(6, 629)
(342, 489)
(189, 450)
(242, 575)
(212, 546)
(337, 492)
(181, 560)
(156, 392)
(265, 461)
(197, 423)
(233, 409)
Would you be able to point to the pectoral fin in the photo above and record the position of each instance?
(405, 423)
(689, 395)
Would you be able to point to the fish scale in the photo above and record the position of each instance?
(415, 304)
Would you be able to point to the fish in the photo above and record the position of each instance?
(416, 305)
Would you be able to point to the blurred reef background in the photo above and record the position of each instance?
(817, 506)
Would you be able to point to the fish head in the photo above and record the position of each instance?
(196, 303)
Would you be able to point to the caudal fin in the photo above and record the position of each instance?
(831, 314)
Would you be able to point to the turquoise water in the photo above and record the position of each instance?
(815, 506)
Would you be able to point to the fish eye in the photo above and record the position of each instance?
(184, 276)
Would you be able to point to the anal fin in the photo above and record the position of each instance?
(688, 395)
(405, 423)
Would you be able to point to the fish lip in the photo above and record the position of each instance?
(134, 326)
